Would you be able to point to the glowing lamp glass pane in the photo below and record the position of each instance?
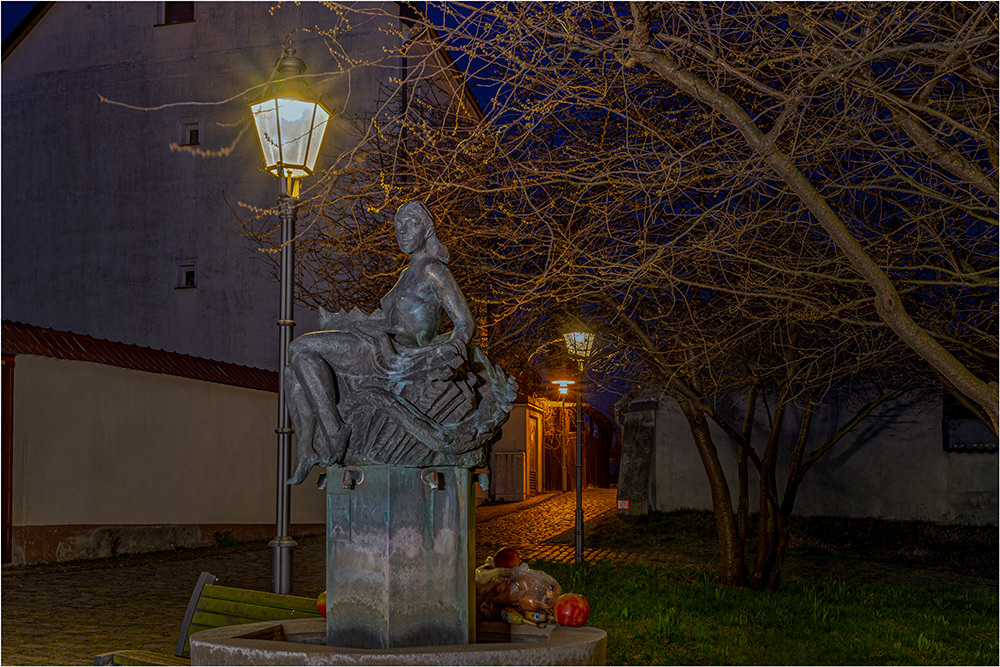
(579, 343)
(291, 132)
(318, 130)
(295, 119)
(265, 115)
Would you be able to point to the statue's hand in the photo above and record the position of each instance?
(453, 352)
(433, 362)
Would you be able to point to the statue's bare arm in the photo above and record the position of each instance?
(453, 301)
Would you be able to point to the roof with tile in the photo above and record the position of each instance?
(18, 338)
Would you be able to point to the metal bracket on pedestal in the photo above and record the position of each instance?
(432, 478)
(353, 477)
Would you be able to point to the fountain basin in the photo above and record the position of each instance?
(301, 642)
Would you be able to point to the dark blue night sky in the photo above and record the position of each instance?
(13, 12)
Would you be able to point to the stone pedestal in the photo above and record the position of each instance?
(400, 557)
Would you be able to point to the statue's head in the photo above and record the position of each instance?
(415, 230)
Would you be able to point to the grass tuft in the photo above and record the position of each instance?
(657, 614)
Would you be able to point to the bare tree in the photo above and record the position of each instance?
(879, 119)
(783, 200)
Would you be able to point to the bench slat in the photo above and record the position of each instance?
(256, 612)
(139, 657)
(276, 600)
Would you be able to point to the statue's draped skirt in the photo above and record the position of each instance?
(404, 406)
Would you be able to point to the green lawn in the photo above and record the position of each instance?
(657, 615)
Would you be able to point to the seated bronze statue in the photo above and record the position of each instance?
(388, 387)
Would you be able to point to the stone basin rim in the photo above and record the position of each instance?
(238, 645)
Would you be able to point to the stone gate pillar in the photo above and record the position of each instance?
(637, 472)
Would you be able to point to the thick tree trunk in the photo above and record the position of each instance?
(767, 526)
(730, 544)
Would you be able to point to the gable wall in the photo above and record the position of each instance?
(98, 210)
(150, 461)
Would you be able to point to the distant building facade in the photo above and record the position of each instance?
(536, 451)
(912, 461)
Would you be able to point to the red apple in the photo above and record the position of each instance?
(572, 609)
(321, 604)
(507, 557)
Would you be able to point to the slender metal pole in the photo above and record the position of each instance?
(563, 447)
(282, 545)
(579, 470)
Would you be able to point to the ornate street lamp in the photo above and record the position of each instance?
(580, 344)
(290, 124)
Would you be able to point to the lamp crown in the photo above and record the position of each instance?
(289, 64)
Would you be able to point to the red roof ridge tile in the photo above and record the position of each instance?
(20, 338)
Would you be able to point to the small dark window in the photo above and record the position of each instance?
(186, 276)
(190, 134)
(963, 431)
(178, 12)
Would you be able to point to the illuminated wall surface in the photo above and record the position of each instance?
(102, 220)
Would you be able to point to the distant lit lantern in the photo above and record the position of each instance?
(290, 122)
(579, 344)
(563, 385)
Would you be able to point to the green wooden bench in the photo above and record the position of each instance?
(214, 606)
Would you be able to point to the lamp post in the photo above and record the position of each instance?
(563, 390)
(579, 343)
(290, 125)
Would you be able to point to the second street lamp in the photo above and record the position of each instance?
(580, 344)
(563, 390)
(290, 124)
